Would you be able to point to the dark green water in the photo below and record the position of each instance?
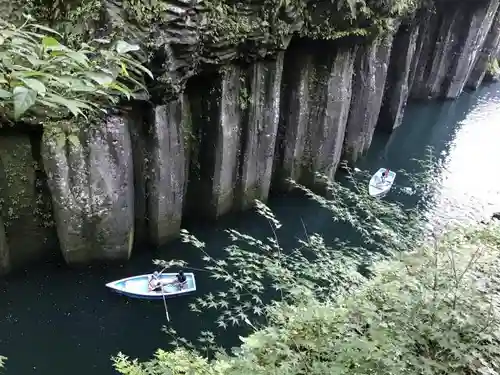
(55, 321)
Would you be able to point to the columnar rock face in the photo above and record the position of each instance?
(259, 130)
(90, 177)
(370, 74)
(27, 227)
(454, 37)
(137, 121)
(315, 105)
(477, 27)
(398, 77)
(216, 106)
(158, 138)
(232, 111)
(490, 47)
(167, 174)
(4, 251)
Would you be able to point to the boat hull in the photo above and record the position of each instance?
(381, 190)
(137, 286)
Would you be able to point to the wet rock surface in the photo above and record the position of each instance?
(398, 77)
(230, 111)
(489, 50)
(370, 72)
(4, 251)
(216, 107)
(27, 224)
(451, 40)
(91, 180)
(477, 28)
(316, 93)
(166, 170)
(259, 130)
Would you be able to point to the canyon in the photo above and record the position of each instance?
(222, 131)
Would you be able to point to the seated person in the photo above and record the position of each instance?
(181, 279)
(154, 282)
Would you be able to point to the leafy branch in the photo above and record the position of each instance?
(41, 77)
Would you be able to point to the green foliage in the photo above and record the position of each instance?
(429, 307)
(493, 67)
(40, 77)
(432, 311)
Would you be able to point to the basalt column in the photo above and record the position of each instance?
(490, 47)
(477, 26)
(4, 250)
(316, 93)
(213, 175)
(158, 136)
(261, 99)
(398, 75)
(447, 58)
(370, 72)
(166, 171)
(90, 177)
(24, 208)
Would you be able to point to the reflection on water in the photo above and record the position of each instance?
(463, 135)
(55, 320)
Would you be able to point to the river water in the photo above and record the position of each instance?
(56, 321)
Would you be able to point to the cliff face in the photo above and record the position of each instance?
(221, 128)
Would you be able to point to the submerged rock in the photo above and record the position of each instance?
(316, 93)
(259, 130)
(398, 78)
(370, 72)
(91, 180)
(27, 227)
(215, 103)
(490, 48)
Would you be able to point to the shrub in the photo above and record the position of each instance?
(428, 307)
(432, 311)
(42, 78)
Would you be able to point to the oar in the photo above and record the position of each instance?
(165, 304)
(163, 295)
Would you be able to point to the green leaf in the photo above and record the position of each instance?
(36, 85)
(73, 139)
(73, 106)
(100, 78)
(24, 99)
(79, 58)
(45, 28)
(4, 94)
(124, 47)
(121, 88)
(102, 41)
(49, 41)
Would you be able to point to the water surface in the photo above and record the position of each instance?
(59, 321)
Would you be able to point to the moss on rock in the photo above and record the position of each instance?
(24, 208)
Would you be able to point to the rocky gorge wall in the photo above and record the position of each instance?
(227, 133)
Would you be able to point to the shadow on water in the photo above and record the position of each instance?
(55, 320)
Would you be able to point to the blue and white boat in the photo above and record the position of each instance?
(137, 286)
(379, 186)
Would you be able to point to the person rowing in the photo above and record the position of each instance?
(382, 179)
(154, 282)
(180, 280)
